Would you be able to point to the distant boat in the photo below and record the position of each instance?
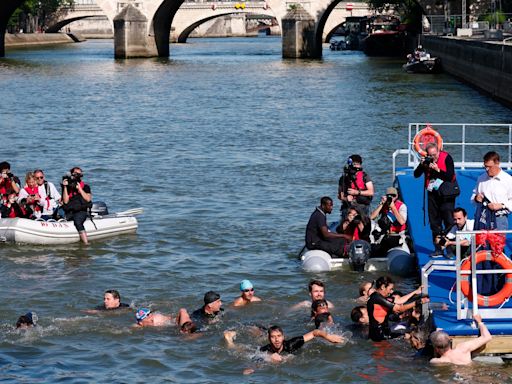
(386, 37)
(421, 62)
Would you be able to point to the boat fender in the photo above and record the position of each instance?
(498, 298)
(359, 253)
(425, 136)
(316, 260)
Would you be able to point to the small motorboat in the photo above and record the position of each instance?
(398, 260)
(41, 232)
(422, 62)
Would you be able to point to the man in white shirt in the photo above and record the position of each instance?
(50, 196)
(461, 223)
(493, 194)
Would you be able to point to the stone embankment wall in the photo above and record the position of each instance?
(31, 39)
(486, 65)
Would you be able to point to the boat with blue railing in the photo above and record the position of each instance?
(454, 282)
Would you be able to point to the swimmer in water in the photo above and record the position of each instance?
(247, 295)
(278, 346)
(185, 323)
(365, 290)
(28, 320)
(317, 292)
(111, 302)
(210, 311)
(321, 314)
(461, 354)
(146, 318)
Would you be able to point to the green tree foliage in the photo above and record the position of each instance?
(410, 11)
(36, 11)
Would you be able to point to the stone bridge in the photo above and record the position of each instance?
(142, 27)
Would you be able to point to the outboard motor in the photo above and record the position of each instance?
(359, 253)
(99, 208)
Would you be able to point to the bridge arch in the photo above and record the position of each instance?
(327, 36)
(54, 28)
(7, 8)
(192, 21)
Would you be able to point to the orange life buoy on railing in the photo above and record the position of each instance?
(488, 301)
(425, 136)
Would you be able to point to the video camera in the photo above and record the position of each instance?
(73, 179)
(428, 160)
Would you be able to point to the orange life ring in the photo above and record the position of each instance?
(425, 136)
(499, 297)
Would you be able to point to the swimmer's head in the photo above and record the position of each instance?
(26, 321)
(245, 284)
(142, 314)
(320, 306)
(322, 318)
(316, 289)
(111, 299)
(276, 336)
(360, 315)
(440, 341)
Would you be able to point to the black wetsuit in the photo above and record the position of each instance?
(103, 308)
(378, 304)
(201, 318)
(289, 346)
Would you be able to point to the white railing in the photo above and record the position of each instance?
(464, 143)
(464, 310)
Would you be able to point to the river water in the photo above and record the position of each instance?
(228, 148)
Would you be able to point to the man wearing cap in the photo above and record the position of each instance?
(247, 295)
(146, 318)
(392, 221)
(210, 311)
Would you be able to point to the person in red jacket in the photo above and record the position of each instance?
(437, 167)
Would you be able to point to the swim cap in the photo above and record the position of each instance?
(142, 313)
(210, 297)
(245, 284)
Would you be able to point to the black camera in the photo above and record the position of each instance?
(442, 241)
(73, 179)
(428, 160)
(357, 219)
(10, 175)
(389, 199)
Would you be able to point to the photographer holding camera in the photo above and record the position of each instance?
(355, 187)
(392, 221)
(438, 168)
(8, 182)
(356, 225)
(448, 241)
(76, 199)
(30, 195)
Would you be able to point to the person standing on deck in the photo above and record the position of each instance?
(493, 198)
(437, 167)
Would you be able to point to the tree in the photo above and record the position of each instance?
(410, 11)
(33, 15)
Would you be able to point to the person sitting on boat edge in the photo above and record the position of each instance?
(380, 308)
(76, 199)
(355, 187)
(318, 235)
(30, 193)
(316, 289)
(448, 241)
(9, 183)
(247, 294)
(210, 311)
(438, 169)
(461, 354)
(50, 197)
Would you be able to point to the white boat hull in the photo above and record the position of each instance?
(398, 261)
(63, 232)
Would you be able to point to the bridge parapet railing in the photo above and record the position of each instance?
(466, 143)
